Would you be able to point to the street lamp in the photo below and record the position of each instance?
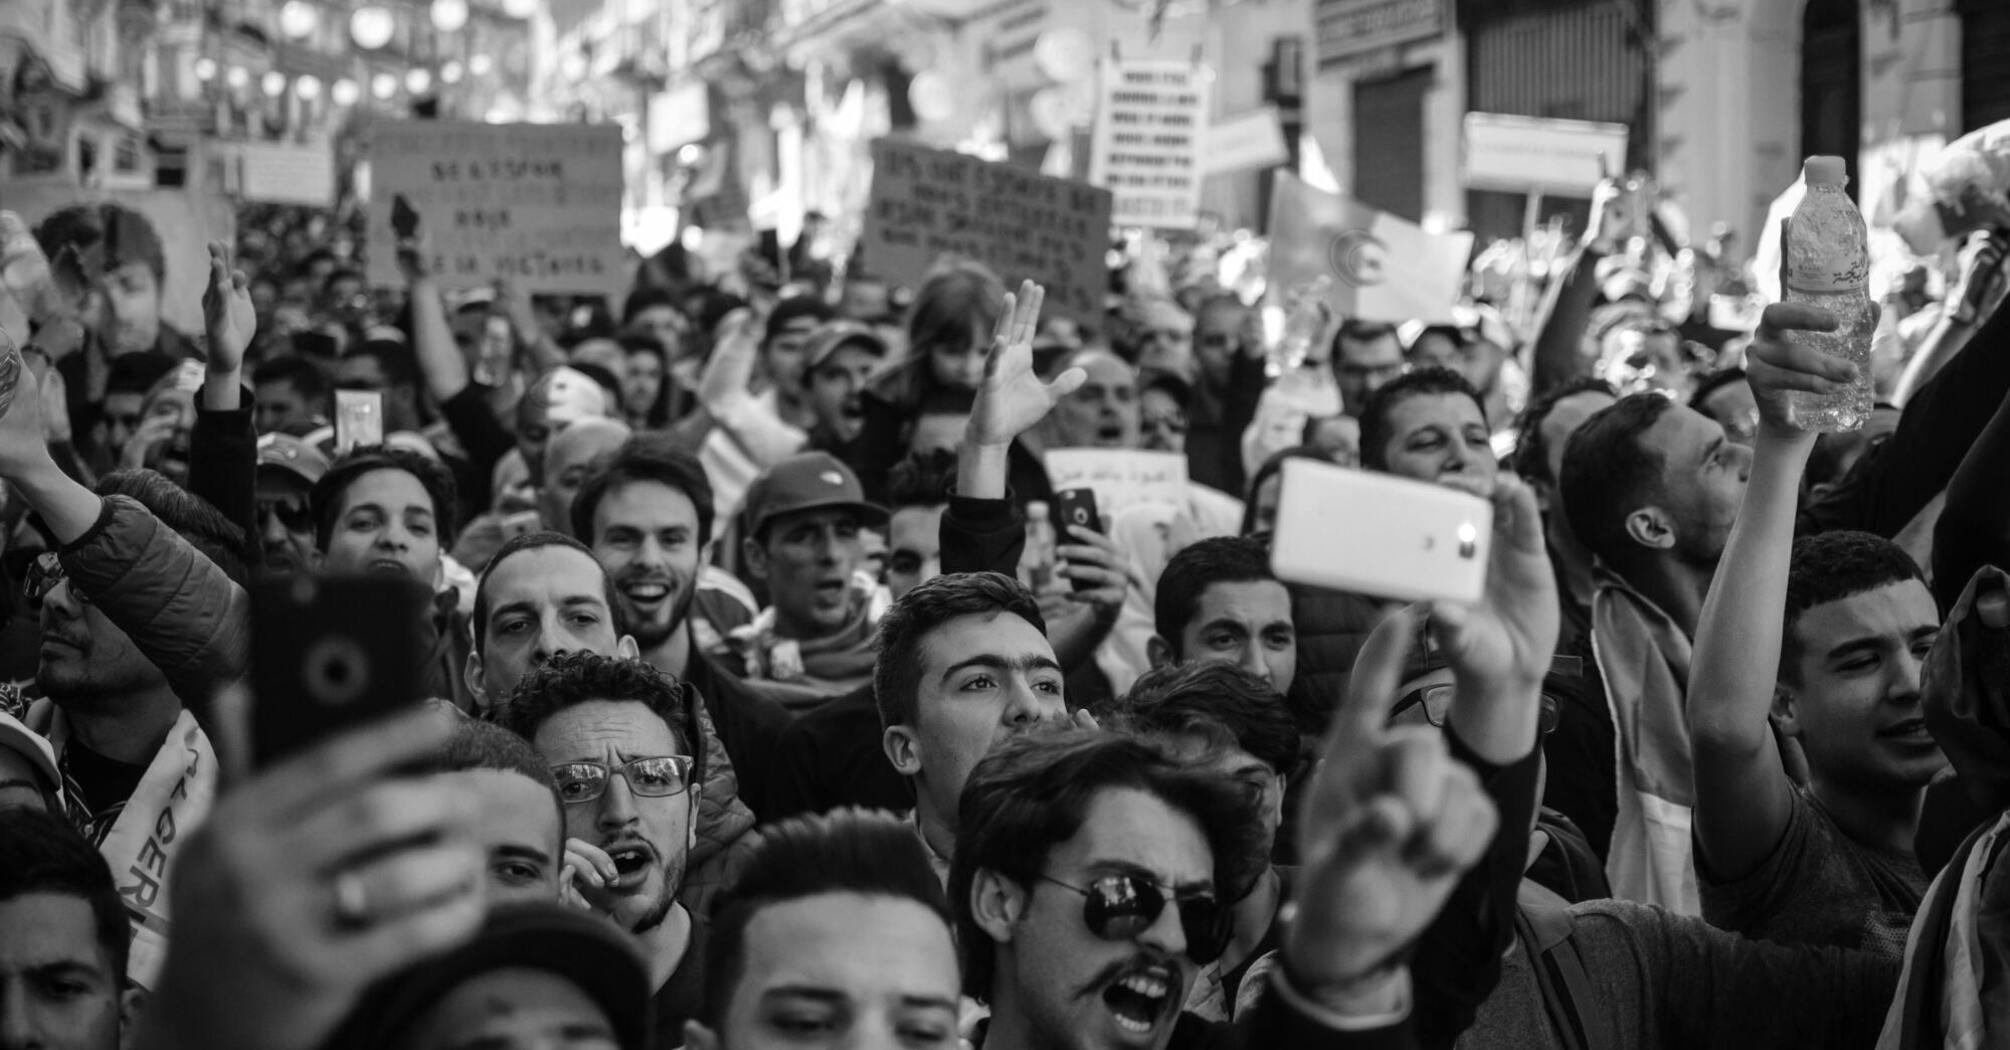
(237, 77)
(451, 72)
(299, 19)
(384, 86)
(450, 15)
(273, 84)
(371, 27)
(345, 92)
(205, 68)
(308, 87)
(480, 65)
(418, 80)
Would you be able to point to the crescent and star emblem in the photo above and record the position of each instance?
(1358, 258)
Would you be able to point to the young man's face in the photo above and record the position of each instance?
(646, 534)
(643, 383)
(1852, 687)
(123, 413)
(1246, 623)
(539, 602)
(1161, 422)
(386, 523)
(1442, 439)
(57, 987)
(280, 405)
(808, 561)
(520, 828)
(663, 324)
(914, 548)
(835, 386)
(649, 837)
(1703, 478)
(983, 678)
(1077, 989)
(784, 354)
(1216, 332)
(511, 1009)
(1364, 366)
(841, 970)
(131, 318)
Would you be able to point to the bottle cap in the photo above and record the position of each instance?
(1825, 171)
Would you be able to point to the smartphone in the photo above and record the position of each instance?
(1077, 507)
(359, 419)
(1381, 535)
(404, 218)
(315, 344)
(331, 653)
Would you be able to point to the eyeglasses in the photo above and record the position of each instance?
(1120, 907)
(583, 782)
(44, 573)
(1436, 701)
(295, 516)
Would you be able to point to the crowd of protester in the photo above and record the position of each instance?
(758, 717)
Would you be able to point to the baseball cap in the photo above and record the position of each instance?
(806, 481)
(527, 935)
(15, 736)
(792, 309)
(826, 340)
(292, 454)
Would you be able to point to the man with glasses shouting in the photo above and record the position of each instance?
(619, 738)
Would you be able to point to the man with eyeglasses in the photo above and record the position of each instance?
(287, 470)
(620, 737)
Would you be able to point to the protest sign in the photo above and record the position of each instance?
(1252, 140)
(1146, 146)
(539, 204)
(1378, 267)
(1524, 154)
(281, 174)
(1018, 222)
(1121, 479)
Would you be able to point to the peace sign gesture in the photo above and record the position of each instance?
(1012, 398)
(1389, 825)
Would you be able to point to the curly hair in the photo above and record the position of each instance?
(570, 679)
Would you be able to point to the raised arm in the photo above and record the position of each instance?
(1743, 796)
(1566, 306)
(223, 446)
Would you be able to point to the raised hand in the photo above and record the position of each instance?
(1610, 225)
(1776, 366)
(23, 437)
(730, 371)
(1013, 398)
(227, 314)
(1389, 824)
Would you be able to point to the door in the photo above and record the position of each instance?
(1389, 143)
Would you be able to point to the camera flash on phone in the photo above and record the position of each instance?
(1469, 540)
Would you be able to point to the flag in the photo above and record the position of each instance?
(1380, 267)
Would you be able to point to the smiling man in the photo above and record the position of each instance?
(619, 738)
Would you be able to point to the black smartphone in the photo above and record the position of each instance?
(315, 344)
(404, 218)
(330, 653)
(1077, 507)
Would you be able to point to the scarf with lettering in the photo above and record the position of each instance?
(139, 838)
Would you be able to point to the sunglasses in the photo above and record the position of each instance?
(295, 516)
(1121, 907)
(583, 782)
(1436, 701)
(44, 573)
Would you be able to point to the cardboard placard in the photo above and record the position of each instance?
(1121, 479)
(926, 203)
(1146, 146)
(539, 204)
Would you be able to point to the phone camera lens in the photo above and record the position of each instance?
(337, 671)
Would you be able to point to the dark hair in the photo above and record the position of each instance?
(632, 343)
(340, 273)
(646, 299)
(571, 679)
(1360, 332)
(923, 479)
(896, 674)
(517, 545)
(137, 373)
(191, 517)
(1188, 575)
(795, 308)
(872, 854)
(650, 457)
(41, 853)
(392, 359)
(1830, 566)
(296, 371)
(1271, 468)
(326, 497)
(1215, 700)
(484, 745)
(1609, 471)
(1531, 451)
(1033, 792)
(606, 380)
(961, 298)
(1712, 383)
(1420, 382)
(123, 234)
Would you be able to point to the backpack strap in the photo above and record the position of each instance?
(1544, 922)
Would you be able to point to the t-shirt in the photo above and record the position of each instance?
(682, 997)
(98, 786)
(1820, 886)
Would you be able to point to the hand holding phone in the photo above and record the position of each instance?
(332, 652)
(1381, 535)
(1077, 508)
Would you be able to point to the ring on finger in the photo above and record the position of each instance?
(352, 899)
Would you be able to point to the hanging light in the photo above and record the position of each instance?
(345, 92)
(384, 86)
(520, 8)
(371, 27)
(932, 95)
(205, 68)
(238, 78)
(572, 66)
(450, 15)
(480, 65)
(273, 84)
(299, 19)
(417, 81)
(451, 72)
(308, 87)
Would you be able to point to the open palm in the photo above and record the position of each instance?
(1013, 397)
(227, 313)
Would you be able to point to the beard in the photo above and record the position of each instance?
(649, 632)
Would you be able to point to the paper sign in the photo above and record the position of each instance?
(1146, 147)
(1020, 223)
(1252, 140)
(285, 174)
(1379, 267)
(1120, 479)
(1524, 154)
(539, 204)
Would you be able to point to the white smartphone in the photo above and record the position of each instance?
(1378, 534)
(359, 419)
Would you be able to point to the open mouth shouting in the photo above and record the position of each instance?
(1141, 999)
(632, 860)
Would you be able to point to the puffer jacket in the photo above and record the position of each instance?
(723, 823)
(180, 609)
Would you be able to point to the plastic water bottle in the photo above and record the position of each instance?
(1828, 265)
(1037, 564)
(1302, 324)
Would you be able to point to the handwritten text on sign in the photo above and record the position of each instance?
(1120, 479)
(539, 204)
(1146, 148)
(1020, 223)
